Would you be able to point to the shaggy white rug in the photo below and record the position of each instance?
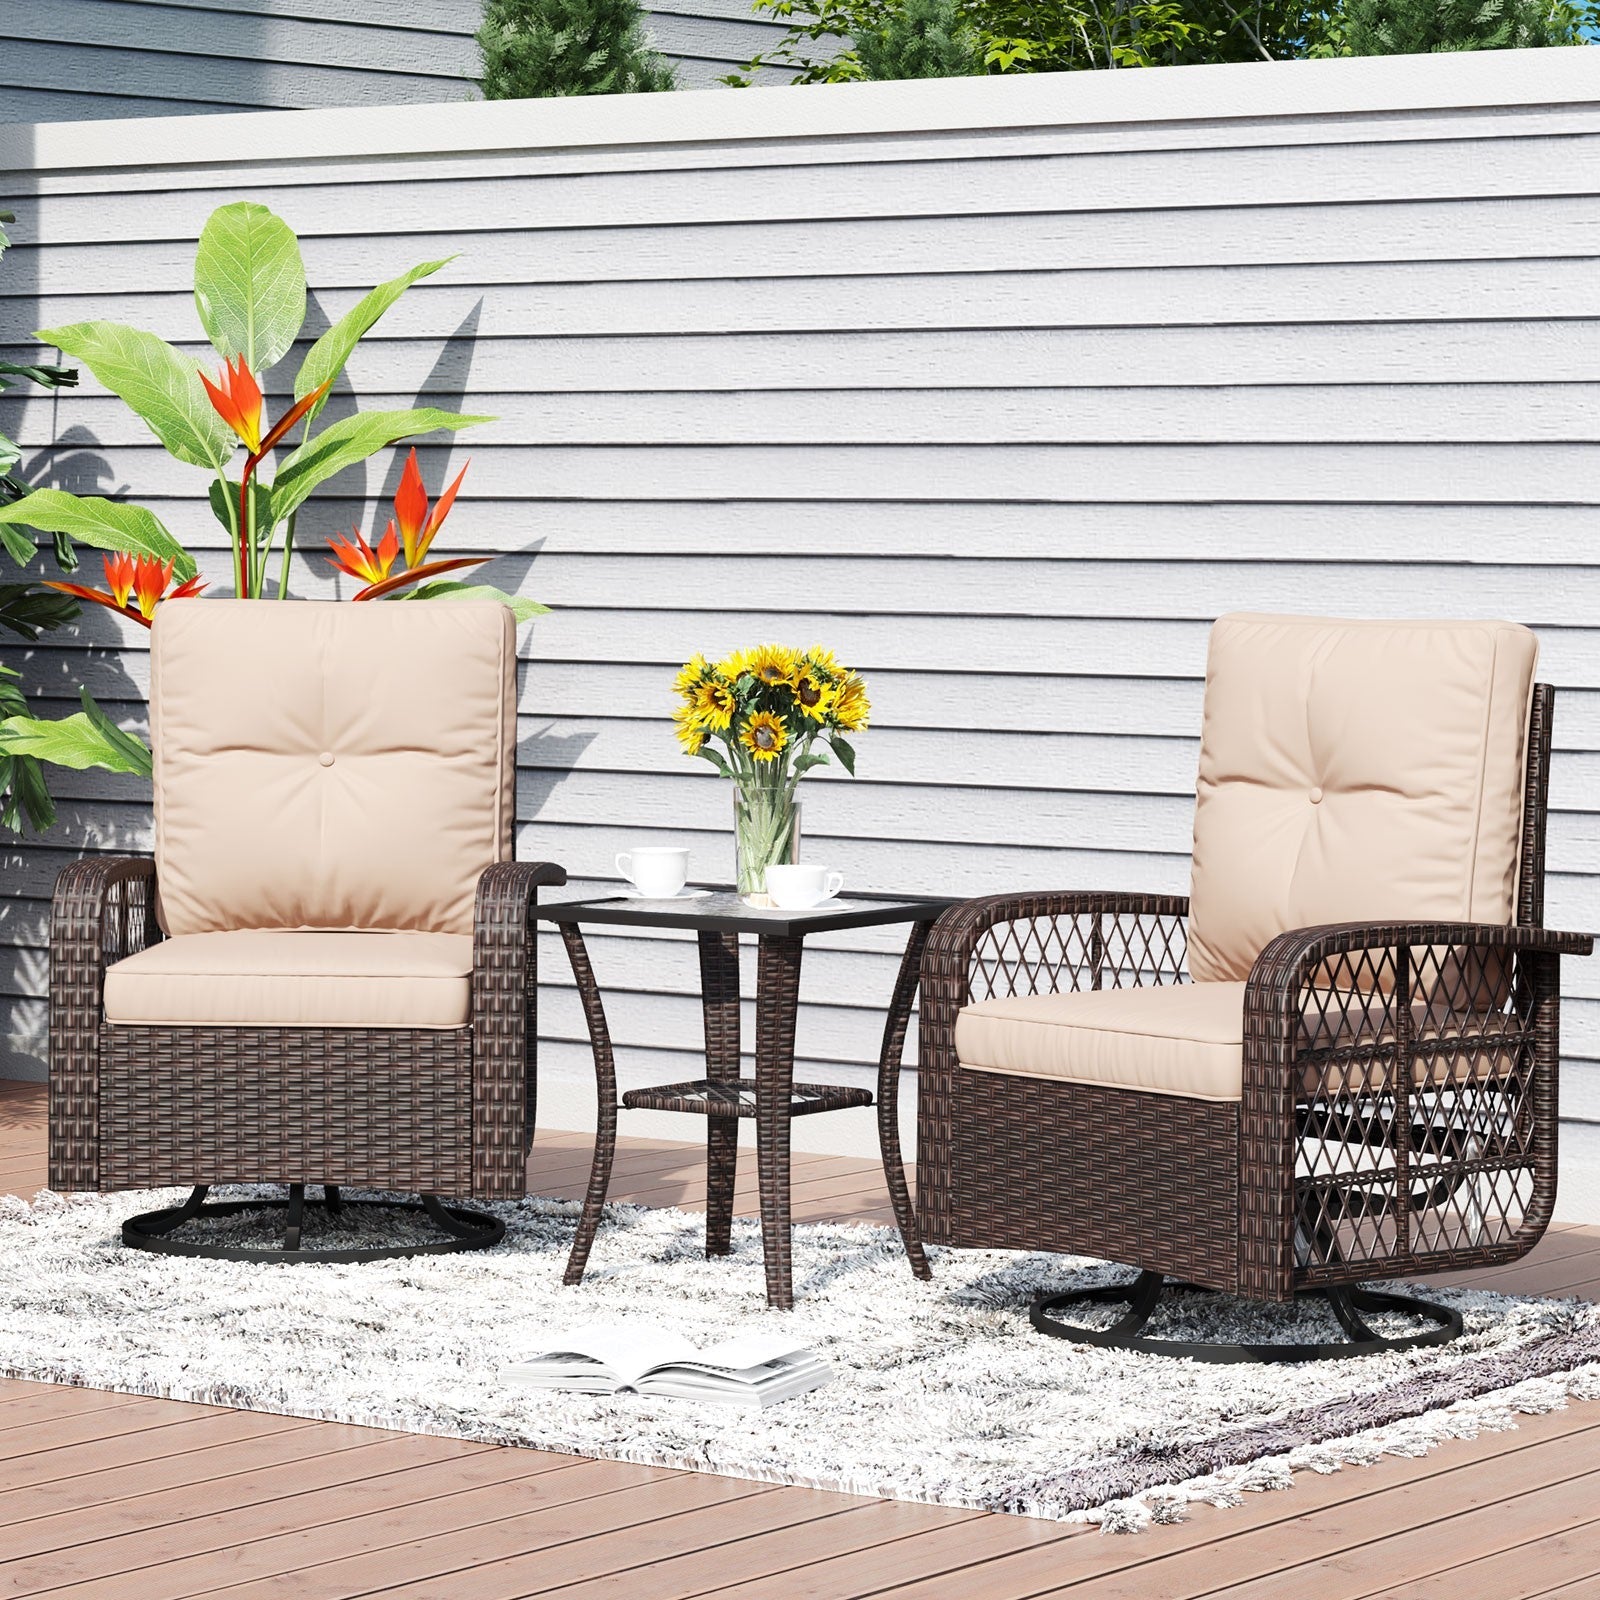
(943, 1391)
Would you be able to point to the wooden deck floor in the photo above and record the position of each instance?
(110, 1497)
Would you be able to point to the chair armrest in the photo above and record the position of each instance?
(505, 1023)
(1382, 1036)
(104, 909)
(1020, 943)
(1101, 924)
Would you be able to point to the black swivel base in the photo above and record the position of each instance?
(1144, 1294)
(460, 1228)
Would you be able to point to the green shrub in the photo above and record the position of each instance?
(537, 48)
(920, 39)
(1424, 27)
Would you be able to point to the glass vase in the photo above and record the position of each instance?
(766, 831)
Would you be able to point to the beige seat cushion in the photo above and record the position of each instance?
(1188, 1039)
(297, 980)
(1355, 771)
(330, 765)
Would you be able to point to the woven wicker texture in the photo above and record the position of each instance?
(437, 1111)
(1399, 1104)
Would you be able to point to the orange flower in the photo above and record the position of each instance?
(417, 527)
(144, 580)
(360, 560)
(150, 583)
(119, 577)
(236, 398)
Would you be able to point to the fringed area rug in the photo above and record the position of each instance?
(942, 1390)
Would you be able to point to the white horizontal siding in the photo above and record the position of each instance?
(68, 60)
(1003, 393)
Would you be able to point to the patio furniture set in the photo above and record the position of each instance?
(1334, 1061)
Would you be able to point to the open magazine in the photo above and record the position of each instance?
(756, 1369)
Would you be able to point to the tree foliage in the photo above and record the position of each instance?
(921, 39)
(1425, 27)
(533, 49)
(826, 38)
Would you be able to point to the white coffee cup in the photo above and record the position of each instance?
(657, 871)
(797, 887)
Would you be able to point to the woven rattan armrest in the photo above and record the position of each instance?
(504, 1023)
(1152, 923)
(104, 909)
(1365, 1031)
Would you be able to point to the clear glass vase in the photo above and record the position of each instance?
(766, 831)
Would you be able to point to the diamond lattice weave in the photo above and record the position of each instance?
(942, 1393)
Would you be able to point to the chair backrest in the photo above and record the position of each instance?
(330, 765)
(1356, 771)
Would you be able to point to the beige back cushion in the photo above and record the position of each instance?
(330, 765)
(1355, 770)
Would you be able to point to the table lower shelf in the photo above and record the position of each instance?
(707, 1097)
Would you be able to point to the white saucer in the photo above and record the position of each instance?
(765, 902)
(630, 893)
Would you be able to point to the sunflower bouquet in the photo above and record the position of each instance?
(764, 718)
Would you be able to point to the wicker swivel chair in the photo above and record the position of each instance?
(1335, 1060)
(326, 973)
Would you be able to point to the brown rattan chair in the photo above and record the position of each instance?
(1336, 1060)
(325, 975)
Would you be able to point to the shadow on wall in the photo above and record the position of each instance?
(175, 60)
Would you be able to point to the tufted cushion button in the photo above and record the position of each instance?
(1316, 792)
(326, 760)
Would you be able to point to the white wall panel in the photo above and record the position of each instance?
(1003, 391)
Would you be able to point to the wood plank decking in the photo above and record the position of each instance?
(112, 1497)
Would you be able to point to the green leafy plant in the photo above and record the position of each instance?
(250, 296)
(920, 39)
(533, 49)
(27, 608)
(827, 41)
(1419, 27)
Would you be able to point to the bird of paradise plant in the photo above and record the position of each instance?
(135, 586)
(250, 295)
(768, 708)
(416, 526)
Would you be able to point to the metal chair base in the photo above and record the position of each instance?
(154, 1230)
(1144, 1294)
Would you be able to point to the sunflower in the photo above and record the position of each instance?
(764, 736)
(692, 674)
(772, 664)
(850, 706)
(822, 660)
(690, 730)
(714, 704)
(813, 694)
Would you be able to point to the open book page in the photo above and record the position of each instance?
(623, 1352)
(602, 1358)
(741, 1355)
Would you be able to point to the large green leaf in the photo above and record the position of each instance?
(28, 611)
(156, 381)
(105, 524)
(87, 738)
(225, 506)
(443, 589)
(326, 358)
(250, 284)
(23, 795)
(349, 440)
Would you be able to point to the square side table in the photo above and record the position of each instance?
(772, 1097)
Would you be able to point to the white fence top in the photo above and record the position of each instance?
(1247, 90)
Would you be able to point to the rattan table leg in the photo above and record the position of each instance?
(605, 1074)
(889, 1062)
(719, 993)
(777, 999)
